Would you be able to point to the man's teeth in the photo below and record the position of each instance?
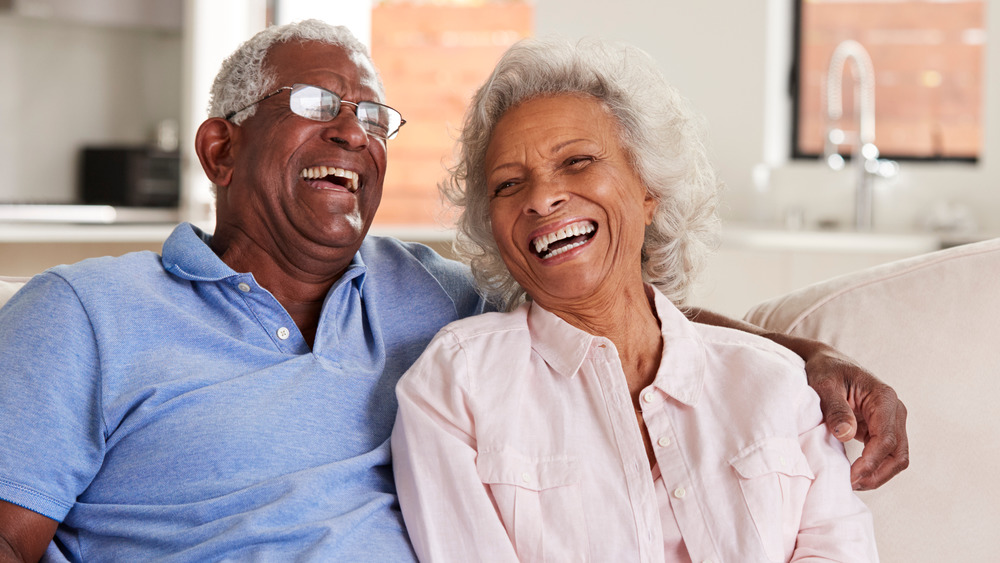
(317, 172)
(576, 229)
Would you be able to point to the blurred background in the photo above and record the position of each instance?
(848, 133)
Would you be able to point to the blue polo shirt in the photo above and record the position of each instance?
(168, 408)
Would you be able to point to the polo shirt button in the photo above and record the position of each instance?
(663, 441)
(283, 333)
(244, 287)
(679, 492)
(648, 397)
(525, 477)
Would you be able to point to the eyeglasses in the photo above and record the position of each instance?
(319, 104)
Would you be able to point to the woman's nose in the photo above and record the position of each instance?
(545, 197)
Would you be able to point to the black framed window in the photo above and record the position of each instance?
(927, 58)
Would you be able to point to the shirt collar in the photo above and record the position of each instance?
(188, 255)
(563, 346)
(682, 366)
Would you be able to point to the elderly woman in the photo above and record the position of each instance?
(594, 421)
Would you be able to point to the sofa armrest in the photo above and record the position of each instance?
(929, 326)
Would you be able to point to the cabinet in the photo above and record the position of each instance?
(160, 14)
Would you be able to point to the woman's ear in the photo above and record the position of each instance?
(214, 144)
(649, 205)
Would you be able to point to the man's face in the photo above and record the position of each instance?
(307, 187)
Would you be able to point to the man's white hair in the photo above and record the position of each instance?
(244, 78)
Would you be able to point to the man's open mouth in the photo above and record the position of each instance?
(337, 176)
(565, 239)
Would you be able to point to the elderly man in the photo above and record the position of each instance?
(233, 399)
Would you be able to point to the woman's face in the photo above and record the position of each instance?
(568, 211)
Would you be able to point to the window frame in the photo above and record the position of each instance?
(794, 91)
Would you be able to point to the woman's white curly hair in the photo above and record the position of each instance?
(244, 78)
(662, 136)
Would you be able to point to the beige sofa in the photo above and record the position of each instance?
(8, 286)
(930, 327)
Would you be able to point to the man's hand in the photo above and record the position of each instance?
(856, 404)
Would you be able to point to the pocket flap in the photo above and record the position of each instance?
(772, 455)
(512, 468)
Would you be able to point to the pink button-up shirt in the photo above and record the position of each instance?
(516, 439)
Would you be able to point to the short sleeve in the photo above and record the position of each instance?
(51, 427)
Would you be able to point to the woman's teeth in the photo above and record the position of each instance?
(542, 243)
(318, 172)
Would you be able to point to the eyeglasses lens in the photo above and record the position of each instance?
(314, 103)
(376, 119)
(322, 105)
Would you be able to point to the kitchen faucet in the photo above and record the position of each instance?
(863, 150)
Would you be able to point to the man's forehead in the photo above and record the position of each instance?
(307, 60)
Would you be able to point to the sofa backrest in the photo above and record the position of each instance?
(929, 326)
(9, 286)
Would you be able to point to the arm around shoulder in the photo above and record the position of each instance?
(855, 403)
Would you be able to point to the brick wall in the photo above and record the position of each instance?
(432, 59)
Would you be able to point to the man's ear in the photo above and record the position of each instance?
(214, 144)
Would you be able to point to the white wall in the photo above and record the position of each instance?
(69, 84)
(717, 53)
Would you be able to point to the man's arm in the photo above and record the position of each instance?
(24, 534)
(854, 402)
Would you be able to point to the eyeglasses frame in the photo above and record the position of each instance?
(340, 101)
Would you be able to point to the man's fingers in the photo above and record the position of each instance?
(887, 450)
(838, 415)
(882, 459)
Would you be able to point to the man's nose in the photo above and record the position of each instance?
(346, 130)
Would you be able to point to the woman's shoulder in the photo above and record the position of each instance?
(488, 326)
(747, 346)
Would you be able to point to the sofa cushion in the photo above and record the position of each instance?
(930, 327)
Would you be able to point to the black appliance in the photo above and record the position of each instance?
(130, 176)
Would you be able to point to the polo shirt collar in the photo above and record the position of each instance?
(681, 374)
(187, 255)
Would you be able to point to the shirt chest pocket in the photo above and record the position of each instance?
(774, 477)
(539, 502)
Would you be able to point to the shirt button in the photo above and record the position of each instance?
(283, 333)
(648, 397)
(663, 441)
(679, 492)
(244, 287)
(525, 477)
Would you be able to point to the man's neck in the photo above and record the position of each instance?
(300, 282)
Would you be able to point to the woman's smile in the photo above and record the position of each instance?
(555, 243)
